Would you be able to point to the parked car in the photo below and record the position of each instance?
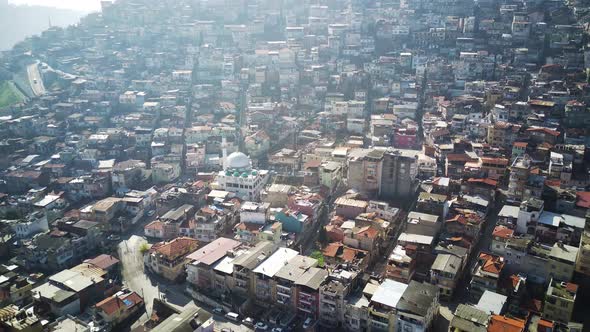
(218, 311)
(308, 323)
(248, 321)
(261, 326)
(151, 213)
(232, 316)
(114, 237)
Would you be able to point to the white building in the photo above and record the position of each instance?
(31, 225)
(239, 178)
(252, 212)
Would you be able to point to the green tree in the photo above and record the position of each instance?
(144, 248)
(319, 256)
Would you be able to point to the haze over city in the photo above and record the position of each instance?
(295, 165)
(78, 5)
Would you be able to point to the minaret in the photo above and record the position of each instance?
(224, 152)
(49, 19)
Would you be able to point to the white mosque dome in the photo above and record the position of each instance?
(238, 160)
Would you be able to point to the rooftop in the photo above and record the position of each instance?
(389, 292)
(504, 324)
(418, 298)
(275, 262)
(213, 251)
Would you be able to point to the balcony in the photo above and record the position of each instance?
(326, 308)
(306, 300)
(328, 300)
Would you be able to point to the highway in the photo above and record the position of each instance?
(35, 79)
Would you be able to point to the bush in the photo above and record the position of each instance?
(144, 248)
(319, 256)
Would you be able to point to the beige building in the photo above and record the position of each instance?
(364, 171)
(168, 259)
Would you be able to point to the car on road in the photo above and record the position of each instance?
(260, 326)
(35, 81)
(218, 311)
(232, 316)
(151, 213)
(248, 321)
(114, 237)
(277, 329)
(308, 323)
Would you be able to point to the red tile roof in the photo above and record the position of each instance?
(504, 324)
(573, 288)
(491, 263)
(331, 250)
(369, 232)
(175, 248)
(348, 254)
(249, 226)
(111, 304)
(156, 225)
(503, 232)
(458, 218)
(497, 161)
(103, 261)
(583, 199)
(459, 157)
(545, 130)
(487, 181)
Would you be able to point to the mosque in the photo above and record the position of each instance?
(238, 177)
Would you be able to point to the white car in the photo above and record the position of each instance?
(308, 323)
(248, 321)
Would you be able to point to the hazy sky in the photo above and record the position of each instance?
(84, 5)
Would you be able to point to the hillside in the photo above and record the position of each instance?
(18, 22)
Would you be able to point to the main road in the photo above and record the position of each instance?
(35, 79)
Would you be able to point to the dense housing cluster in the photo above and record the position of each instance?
(331, 165)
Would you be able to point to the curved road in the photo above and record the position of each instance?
(35, 79)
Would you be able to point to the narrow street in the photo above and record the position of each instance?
(148, 286)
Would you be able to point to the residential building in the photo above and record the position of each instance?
(193, 319)
(423, 224)
(244, 265)
(435, 204)
(469, 319)
(365, 170)
(502, 323)
(417, 308)
(559, 301)
(333, 292)
(277, 195)
(168, 259)
(265, 290)
(445, 273)
(398, 173)
(118, 307)
(204, 263)
(486, 274)
(383, 306)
